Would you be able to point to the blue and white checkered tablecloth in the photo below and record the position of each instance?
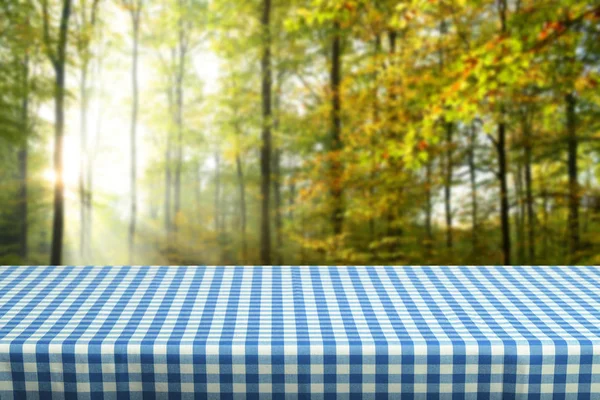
(275, 332)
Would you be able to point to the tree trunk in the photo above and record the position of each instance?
(278, 205)
(373, 172)
(168, 184)
(337, 216)
(87, 28)
(529, 196)
(392, 41)
(501, 147)
(519, 214)
(589, 204)
(546, 227)
(91, 159)
(22, 209)
(277, 175)
(134, 114)
(59, 98)
(292, 199)
(428, 206)
(177, 183)
(473, 182)
(504, 207)
(59, 202)
(242, 198)
(22, 160)
(265, 151)
(448, 185)
(83, 159)
(217, 192)
(89, 209)
(179, 115)
(168, 161)
(573, 219)
(198, 193)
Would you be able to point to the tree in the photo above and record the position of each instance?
(265, 151)
(501, 148)
(134, 7)
(86, 19)
(337, 216)
(56, 50)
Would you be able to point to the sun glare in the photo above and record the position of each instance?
(49, 176)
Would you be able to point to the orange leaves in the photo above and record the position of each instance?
(349, 6)
(586, 82)
(550, 28)
(409, 15)
(471, 62)
(456, 86)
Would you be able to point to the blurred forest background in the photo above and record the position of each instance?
(299, 132)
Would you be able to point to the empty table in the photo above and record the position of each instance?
(318, 332)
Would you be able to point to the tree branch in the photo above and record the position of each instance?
(567, 23)
(46, 32)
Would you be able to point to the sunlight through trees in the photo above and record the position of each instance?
(299, 132)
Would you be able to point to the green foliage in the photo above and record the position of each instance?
(424, 86)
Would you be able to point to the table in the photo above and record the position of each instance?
(318, 332)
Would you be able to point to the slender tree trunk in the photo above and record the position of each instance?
(134, 113)
(393, 213)
(428, 205)
(217, 192)
(89, 210)
(265, 151)
(502, 169)
(59, 201)
(177, 183)
(23, 167)
(473, 182)
(278, 205)
(86, 29)
(448, 128)
(23, 200)
(277, 175)
(179, 114)
(303, 234)
(504, 207)
(89, 181)
(529, 196)
(573, 220)
(242, 199)
(519, 214)
(588, 205)
(168, 161)
(392, 35)
(448, 184)
(168, 184)
(92, 155)
(198, 193)
(336, 131)
(83, 159)
(373, 172)
(292, 200)
(546, 227)
(59, 98)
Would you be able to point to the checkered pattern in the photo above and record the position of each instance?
(318, 332)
